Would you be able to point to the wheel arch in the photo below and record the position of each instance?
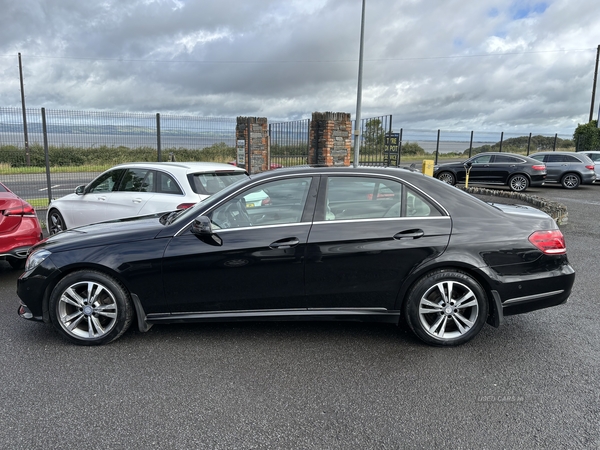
(466, 268)
(65, 271)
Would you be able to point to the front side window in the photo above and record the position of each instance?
(106, 182)
(273, 203)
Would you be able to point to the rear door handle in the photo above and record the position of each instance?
(102, 198)
(285, 243)
(137, 200)
(409, 234)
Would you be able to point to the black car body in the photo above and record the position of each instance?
(518, 172)
(330, 243)
(567, 168)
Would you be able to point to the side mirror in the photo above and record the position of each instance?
(202, 229)
(468, 164)
(80, 190)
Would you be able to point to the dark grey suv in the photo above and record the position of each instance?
(567, 168)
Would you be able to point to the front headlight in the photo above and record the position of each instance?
(35, 259)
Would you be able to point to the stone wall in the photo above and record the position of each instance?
(556, 210)
(330, 139)
(255, 132)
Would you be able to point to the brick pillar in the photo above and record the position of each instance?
(330, 139)
(252, 134)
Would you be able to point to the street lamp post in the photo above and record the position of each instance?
(357, 126)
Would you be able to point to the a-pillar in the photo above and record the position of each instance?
(252, 136)
(330, 139)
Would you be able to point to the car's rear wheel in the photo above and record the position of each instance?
(446, 308)
(90, 308)
(518, 183)
(56, 222)
(447, 177)
(570, 181)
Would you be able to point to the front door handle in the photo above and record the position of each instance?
(409, 234)
(102, 198)
(137, 200)
(285, 243)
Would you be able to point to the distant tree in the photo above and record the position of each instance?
(412, 148)
(374, 136)
(587, 136)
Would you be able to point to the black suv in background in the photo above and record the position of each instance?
(567, 168)
(515, 171)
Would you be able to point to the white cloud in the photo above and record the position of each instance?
(465, 64)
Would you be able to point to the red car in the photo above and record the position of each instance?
(19, 228)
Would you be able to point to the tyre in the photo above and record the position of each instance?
(90, 308)
(447, 177)
(446, 308)
(56, 222)
(16, 263)
(570, 181)
(518, 183)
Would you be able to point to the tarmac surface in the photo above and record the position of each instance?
(534, 383)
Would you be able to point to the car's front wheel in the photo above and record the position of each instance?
(56, 222)
(90, 308)
(570, 181)
(518, 183)
(446, 308)
(447, 177)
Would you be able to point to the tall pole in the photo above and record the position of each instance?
(24, 112)
(357, 125)
(594, 86)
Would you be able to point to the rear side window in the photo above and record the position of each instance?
(571, 159)
(166, 184)
(2, 189)
(507, 159)
(555, 158)
(349, 198)
(213, 182)
(137, 180)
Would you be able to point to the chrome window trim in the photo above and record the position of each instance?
(319, 175)
(381, 219)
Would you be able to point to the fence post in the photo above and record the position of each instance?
(501, 140)
(158, 147)
(528, 144)
(400, 147)
(471, 145)
(555, 138)
(47, 156)
(437, 147)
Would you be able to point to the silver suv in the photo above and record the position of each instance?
(567, 168)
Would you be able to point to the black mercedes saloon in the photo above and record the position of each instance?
(314, 243)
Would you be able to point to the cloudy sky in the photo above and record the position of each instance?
(513, 65)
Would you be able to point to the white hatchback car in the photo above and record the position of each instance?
(136, 189)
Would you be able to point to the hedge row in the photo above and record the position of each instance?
(14, 156)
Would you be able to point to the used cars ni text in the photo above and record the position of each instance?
(140, 188)
(518, 172)
(19, 228)
(367, 244)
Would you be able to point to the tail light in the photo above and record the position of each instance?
(549, 242)
(185, 205)
(538, 167)
(24, 210)
(590, 166)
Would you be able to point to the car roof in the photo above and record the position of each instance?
(584, 158)
(187, 167)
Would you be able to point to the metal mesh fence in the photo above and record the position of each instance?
(289, 143)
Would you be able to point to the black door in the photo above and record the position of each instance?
(260, 264)
(361, 247)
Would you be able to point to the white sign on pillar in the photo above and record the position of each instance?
(241, 152)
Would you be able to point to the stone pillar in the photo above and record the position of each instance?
(330, 139)
(252, 134)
